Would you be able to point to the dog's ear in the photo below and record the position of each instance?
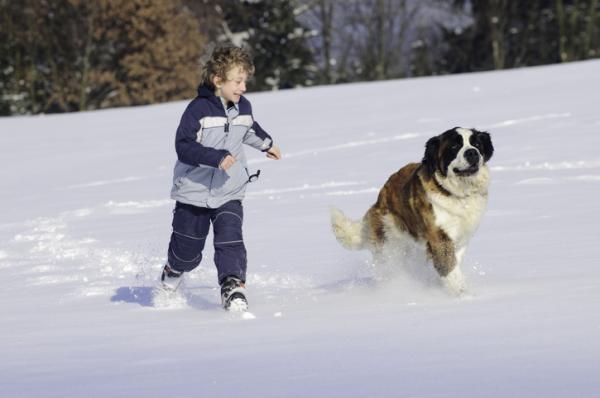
(431, 154)
(486, 141)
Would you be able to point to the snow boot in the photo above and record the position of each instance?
(170, 279)
(233, 295)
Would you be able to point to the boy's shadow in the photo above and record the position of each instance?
(144, 296)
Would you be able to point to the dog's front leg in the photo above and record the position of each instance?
(446, 262)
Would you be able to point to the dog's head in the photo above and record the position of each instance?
(458, 152)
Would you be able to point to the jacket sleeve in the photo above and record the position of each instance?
(188, 150)
(258, 138)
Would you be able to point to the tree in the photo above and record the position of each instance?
(320, 13)
(77, 55)
(505, 34)
(377, 31)
(153, 58)
(578, 35)
(278, 40)
(362, 39)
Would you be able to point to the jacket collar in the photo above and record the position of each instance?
(205, 91)
(208, 93)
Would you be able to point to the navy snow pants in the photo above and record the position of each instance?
(190, 229)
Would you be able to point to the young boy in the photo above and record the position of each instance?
(211, 175)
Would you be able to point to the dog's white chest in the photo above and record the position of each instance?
(458, 217)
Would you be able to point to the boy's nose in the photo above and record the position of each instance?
(243, 87)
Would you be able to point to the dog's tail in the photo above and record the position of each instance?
(347, 232)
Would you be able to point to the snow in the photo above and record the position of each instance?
(86, 221)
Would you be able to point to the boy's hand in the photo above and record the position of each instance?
(227, 162)
(274, 153)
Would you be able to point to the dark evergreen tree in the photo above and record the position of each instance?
(278, 41)
(507, 34)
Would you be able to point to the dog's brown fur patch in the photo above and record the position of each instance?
(403, 197)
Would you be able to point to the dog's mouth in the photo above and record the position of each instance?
(469, 171)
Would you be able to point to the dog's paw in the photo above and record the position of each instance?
(455, 283)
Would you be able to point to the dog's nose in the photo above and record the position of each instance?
(472, 156)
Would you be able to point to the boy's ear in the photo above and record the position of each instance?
(216, 81)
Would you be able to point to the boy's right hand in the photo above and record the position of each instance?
(227, 162)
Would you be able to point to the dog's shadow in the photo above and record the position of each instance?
(346, 284)
(407, 274)
(145, 297)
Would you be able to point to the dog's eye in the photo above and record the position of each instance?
(456, 146)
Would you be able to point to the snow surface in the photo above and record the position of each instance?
(86, 220)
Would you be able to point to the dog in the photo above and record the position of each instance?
(433, 207)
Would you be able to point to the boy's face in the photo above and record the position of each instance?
(232, 88)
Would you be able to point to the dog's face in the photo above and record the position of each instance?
(458, 152)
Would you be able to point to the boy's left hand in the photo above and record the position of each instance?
(274, 153)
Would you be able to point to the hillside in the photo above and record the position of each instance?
(86, 220)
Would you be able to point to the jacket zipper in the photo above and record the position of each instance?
(226, 131)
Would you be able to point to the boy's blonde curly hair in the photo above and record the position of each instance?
(222, 60)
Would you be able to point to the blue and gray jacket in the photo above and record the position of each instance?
(207, 133)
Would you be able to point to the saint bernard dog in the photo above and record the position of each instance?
(433, 207)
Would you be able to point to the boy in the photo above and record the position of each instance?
(211, 174)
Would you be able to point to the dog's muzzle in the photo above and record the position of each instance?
(472, 157)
